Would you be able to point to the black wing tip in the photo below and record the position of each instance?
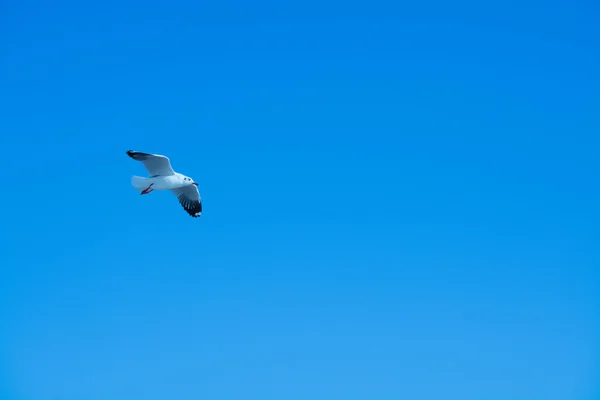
(136, 155)
(194, 214)
(194, 210)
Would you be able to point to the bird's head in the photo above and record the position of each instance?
(189, 181)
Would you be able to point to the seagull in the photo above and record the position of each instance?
(162, 177)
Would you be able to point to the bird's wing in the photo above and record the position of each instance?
(189, 198)
(155, 163)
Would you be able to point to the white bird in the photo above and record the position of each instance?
(162, 177)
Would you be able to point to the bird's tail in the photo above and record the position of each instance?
(139, 183)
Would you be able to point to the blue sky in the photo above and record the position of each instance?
(400, 201)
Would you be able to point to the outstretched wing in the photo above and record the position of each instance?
(155, 164)
(189, 198)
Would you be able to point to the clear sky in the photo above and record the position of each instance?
(401, 200)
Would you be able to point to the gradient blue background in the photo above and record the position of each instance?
(400, 201)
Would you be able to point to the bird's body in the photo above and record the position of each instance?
(159, 182)
(162, 177)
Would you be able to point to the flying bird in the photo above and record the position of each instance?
(162, 177)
